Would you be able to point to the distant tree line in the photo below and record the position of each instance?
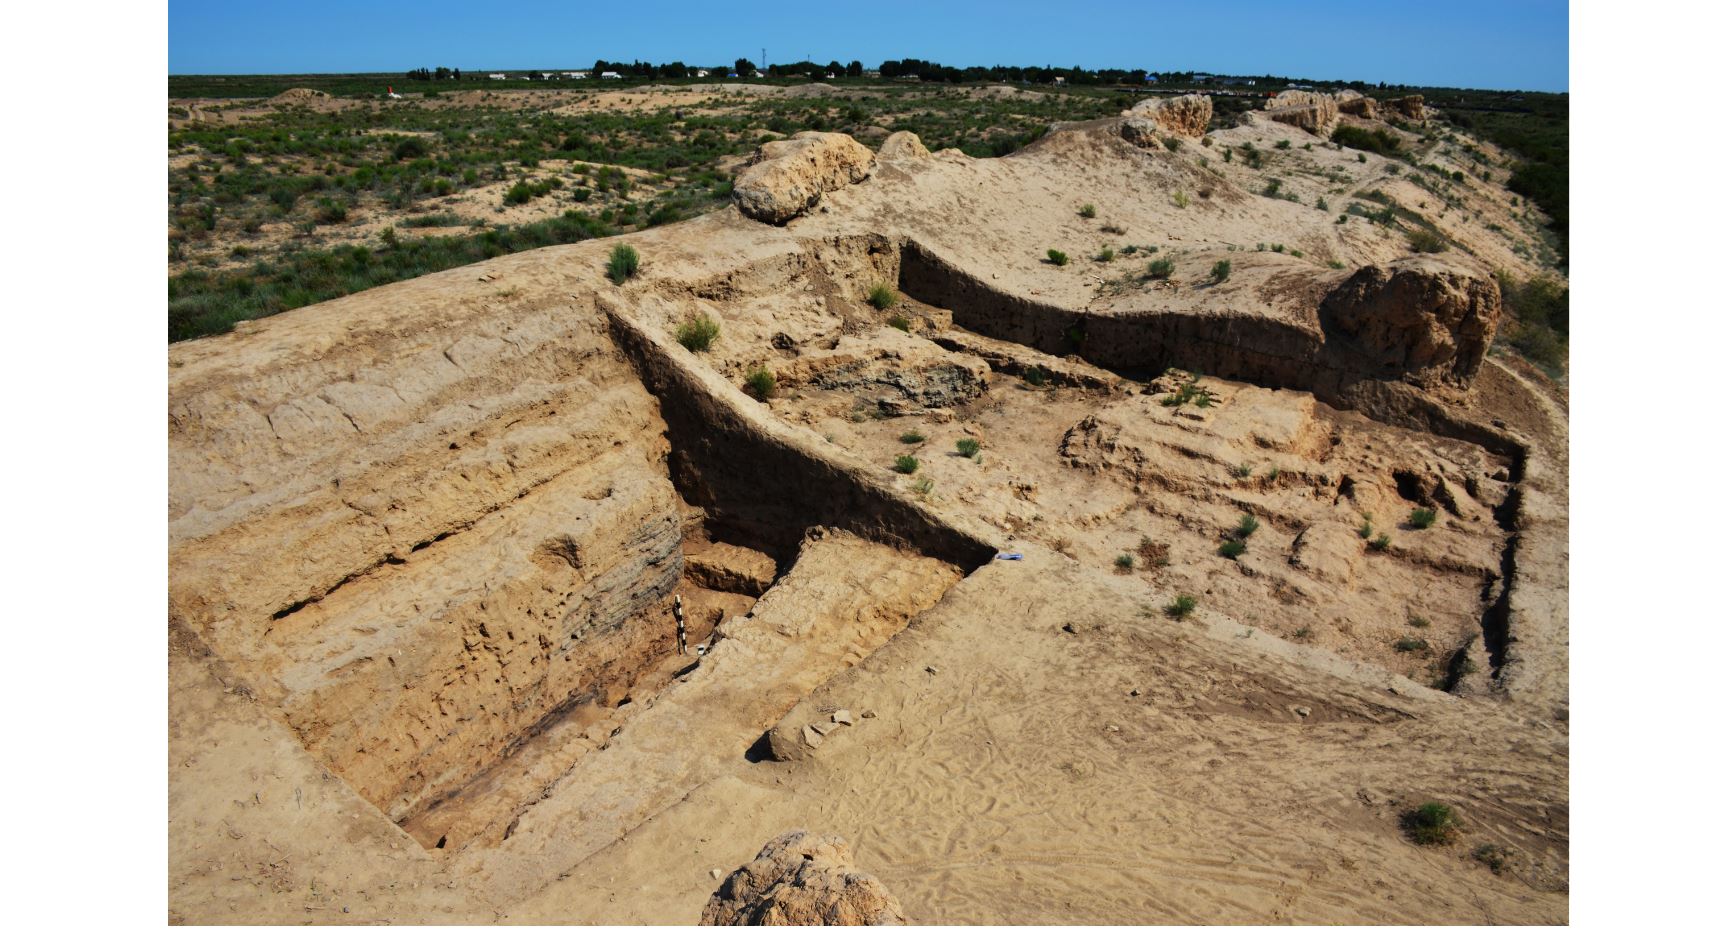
(644, 69)
(917, 68)
(439, 74)
(852, 69)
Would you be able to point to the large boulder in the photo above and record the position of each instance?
(902, 146)
(1410, 107)
(1146, 123)
(1416, 321)
(800, 878)
(1314, 113)
(1353, 103)
(789, 176)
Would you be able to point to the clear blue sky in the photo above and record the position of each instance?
(1500, 44)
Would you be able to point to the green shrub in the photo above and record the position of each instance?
(1380, 141)
(622, 263)
(1492, 855)
(1088, 211)
(1221, 270)
(409, 148)
(1057, 257)
(1107, 255)
(912, 437)
(698, 333)
(1172, 143)
(1411, 645)
(1426, 241)
(330, 211)
(1378, 543)
(1417, 621)
(1160, 268)
(1232, 549)
(1248, 525)
(967, 447)
(1189, 392)
(1422, 518)
(1124, 562)
(1283, 144)
(881, 296)
(900, 322)
(1181, 607)
(1074, 335)
(1034, 377)
(923, 486)
(1180, 199)
(905, 465)
(1432, 823)
(1243, 470)
(761, 381)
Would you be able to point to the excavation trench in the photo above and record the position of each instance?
(457, 709)
(526, 665)
(1140, 346)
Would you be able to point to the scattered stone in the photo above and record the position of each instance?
(1303, 711)
(868, 714)
(801, 878)
(813, 738)
(842, 716)
(931, 670)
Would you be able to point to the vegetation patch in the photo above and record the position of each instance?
(1432, 824)
(622, 263)
(881, 296)
(698, 333)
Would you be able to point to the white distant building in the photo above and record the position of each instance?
(702, 72)
(497, 77)
(575, 75)
(611, 75)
